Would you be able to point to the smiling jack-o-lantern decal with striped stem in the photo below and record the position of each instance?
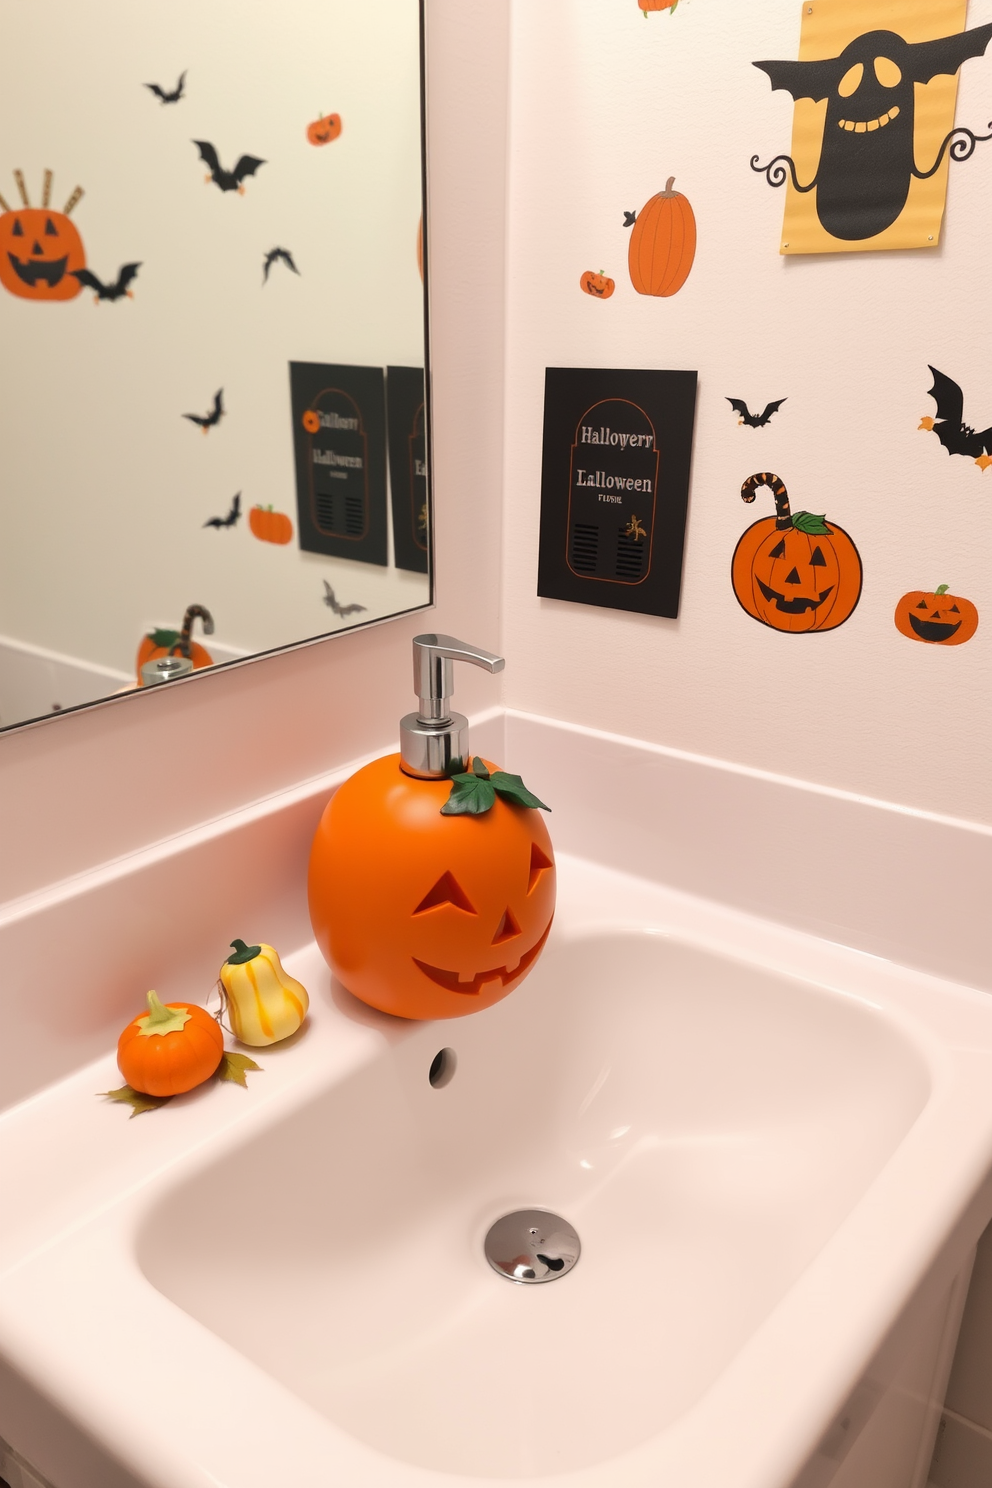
(40, 250)
(794, 571)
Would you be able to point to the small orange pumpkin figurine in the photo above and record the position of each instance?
(178, 642)
(793, 571)
(170, 1049)
(270, 526)
(662, 244)
(597, 285)
(324, 129)
(939, 618)
(40, 250)
(422, 914)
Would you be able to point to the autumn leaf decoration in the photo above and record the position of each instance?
(475, 792)
(233, 1067)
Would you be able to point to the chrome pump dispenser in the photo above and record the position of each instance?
(434, 741)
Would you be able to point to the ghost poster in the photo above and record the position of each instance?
(875, 89)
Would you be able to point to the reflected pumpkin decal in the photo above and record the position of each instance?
(423, 915)
(40, 249)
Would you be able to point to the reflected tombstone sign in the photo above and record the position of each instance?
(615, 485)
(339, 429)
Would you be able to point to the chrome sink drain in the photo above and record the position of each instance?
(531, 1246)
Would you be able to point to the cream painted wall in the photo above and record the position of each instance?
(105, 486)
(605, 105)
(87, 787)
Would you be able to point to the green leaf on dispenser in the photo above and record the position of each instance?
(512, 789)
(470, 796)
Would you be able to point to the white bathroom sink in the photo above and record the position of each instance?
(769, 1146)
(704, 1124)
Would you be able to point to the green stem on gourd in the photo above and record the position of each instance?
(243, 953)
(161, 1019)
(942, 589)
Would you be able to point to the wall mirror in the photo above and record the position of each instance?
(213, 425)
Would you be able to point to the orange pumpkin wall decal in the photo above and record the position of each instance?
(939, 619)
(40, 250)
(648, 5)
(597, 285)
(662, 244)
(324, 129)
(269, 525)
(794, 571)
(425, 915)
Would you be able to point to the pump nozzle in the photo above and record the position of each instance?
(434, 741)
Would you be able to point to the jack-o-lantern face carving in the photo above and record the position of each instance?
(40, 249)
(940, 619)
(424, 915)
(324, 129)
(796, 572)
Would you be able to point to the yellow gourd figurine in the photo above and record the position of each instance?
(263, 1003)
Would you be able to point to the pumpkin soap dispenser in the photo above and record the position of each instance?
(432, 876)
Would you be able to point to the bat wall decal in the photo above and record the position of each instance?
(207, 421)
(179, 91)
(629, 218)
(232, 518)
(957, 437)
(277, 255)
(754, 420)
(227, 180)
(118, 290)
(331, 601)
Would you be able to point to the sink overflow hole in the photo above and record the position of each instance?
(443, 1067)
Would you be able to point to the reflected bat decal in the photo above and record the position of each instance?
(232, 517)
(118, 290)
(227, 180)
(179, 91)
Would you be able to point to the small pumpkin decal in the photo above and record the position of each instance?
(649, 5)
(324, 129)
(264, 1003)
(794, 571)
(597, 285)
(40, 250)
(269, 525)
(423, 914)
(178, 642)
(172, 1048)
(938, 618)
(662, 244)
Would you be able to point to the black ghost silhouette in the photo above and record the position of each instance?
(866, 159)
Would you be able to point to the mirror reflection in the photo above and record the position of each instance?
(212, 424)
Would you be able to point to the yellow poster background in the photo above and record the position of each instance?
(828, 26)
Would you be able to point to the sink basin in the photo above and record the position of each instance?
(775, 1154)
(704, 1124)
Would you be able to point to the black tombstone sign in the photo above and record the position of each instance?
(339, 437)
(615, 487)
(408, 467)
